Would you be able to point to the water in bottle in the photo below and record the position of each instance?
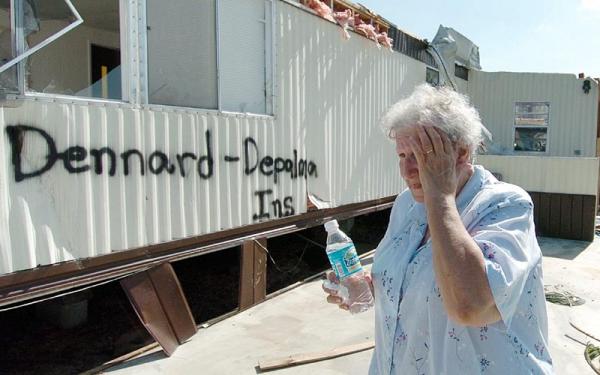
(353, 288)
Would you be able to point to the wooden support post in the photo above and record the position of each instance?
(253, 273)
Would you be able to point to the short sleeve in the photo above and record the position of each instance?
(505, 234)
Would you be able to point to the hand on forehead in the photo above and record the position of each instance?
(403, 136)
(402, 139)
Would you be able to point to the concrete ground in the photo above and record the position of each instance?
(300, 321)
(575, 267)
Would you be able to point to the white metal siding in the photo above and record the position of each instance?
(341, 90)
(546, 174)
(462, 85)
(330, 94)
(573, 114)
(60, 216)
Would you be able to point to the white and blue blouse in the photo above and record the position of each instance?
(413, 333)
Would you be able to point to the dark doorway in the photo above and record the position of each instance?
(106, 72)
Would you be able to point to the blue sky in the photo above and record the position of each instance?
(559, 36)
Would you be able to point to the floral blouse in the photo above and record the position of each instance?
(413, 333)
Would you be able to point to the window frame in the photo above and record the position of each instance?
(124, 35)
(516, 127)
(134, 63)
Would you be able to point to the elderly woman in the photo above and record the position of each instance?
(457, 277)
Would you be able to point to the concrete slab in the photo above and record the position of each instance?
(300, 321)
(580, 276)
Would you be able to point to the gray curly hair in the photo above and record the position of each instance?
(442, 108)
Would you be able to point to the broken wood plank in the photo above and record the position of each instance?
(161, 306)
(303, 358)
(173, 301)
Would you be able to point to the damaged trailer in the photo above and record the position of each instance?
(136, 133)
(544, 127)
(133, 136)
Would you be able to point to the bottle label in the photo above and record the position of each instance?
(345, 261)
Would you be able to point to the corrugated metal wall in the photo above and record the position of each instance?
(462, 85)
(573, 114)
(61, 216)
(343, 88)
(546, 174)
(329, 96)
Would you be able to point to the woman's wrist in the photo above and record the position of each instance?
(439, 200)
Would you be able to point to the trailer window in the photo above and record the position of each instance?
(84, 62)
(8, 78)
(211, 54)
(182, 53)
(531, 126)
(27, 27)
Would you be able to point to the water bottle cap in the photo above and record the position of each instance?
(331, 225)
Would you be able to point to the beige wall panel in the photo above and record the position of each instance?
(546, 174)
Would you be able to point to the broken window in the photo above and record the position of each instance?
(8, 78)
(212, 54)
(55, 47)
(531, 126)
(27, 27)
(84, 62)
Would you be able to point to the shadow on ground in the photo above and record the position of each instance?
(564, 249)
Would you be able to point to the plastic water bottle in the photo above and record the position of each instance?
(353, 288)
